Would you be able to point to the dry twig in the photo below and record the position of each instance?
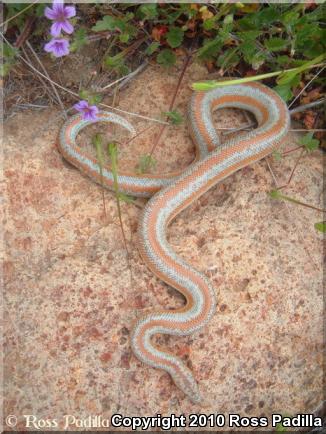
(50, 81)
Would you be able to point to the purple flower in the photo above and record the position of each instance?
(60, 14)
(58, 46)
(89, 112)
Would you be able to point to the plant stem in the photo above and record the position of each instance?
(99, 154)
(293, 170)
(186, 63)
(305, 87)
(304, 107)
(291, 150)
(213, 84)
(298, 202)
(51, 84)
(159, 121)
(114, 166)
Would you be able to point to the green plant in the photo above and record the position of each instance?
(16, 17)
(309, 143)
(232, 36)
(9, 55)
(321, 227)
(280, 428)
(146, 162)
(80, 40)
(174, 116)
(285, 77)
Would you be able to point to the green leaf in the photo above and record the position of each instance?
(124, 37)
(317, 14)
(249, 35)
(170, 17)
(320, 226)
(283, 60)
(130, 30)
(80, 39)
(107, 23)
(210, 49)
(90, 97)
(187, 9)
(309, 142)
(224, 33)
(166, 58)
(9, 52)
(228, 58)
(267, 16)
(95, 99)
(84, 94)
(228, 19)
(247, 22)
(174, 37)
(275, 44)
(112, 23)
(210, 23)
(39, 10)
(287, 76)
(129, 16)
(114, 61)
(21, 10)
(248, 49)
(261, 18)
(117, 63)
(148, 11)
(284, 90)
(123, 70)
(151, 48)
(290, 18)
(258, 60)
(306, 34)
(174, 116)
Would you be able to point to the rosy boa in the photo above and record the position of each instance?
(171, 193)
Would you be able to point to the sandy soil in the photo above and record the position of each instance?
(70, 302)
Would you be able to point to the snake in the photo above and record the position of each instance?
(171, 193)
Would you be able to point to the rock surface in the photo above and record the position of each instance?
(70, 299)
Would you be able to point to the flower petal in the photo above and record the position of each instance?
(67, 27)
(69, 11)
(49, 47)
(50, 13)
(58, 9)
(56, 28)
(89, 116)
(94, 110)
(58, 47)
(81, 105)
(61, 49)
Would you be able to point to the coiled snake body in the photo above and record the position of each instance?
(172, 193)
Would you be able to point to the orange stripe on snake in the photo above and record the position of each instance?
(171, 193)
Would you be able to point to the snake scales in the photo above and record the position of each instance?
(171, 193)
